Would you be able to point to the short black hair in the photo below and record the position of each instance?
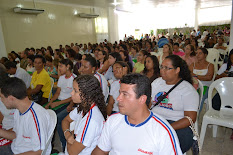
(124, 47)
(3, 76)
(92, 61)
(41, 57)
(204, 50)
(9, 65)
(15, 87)
(67, 62)
(31, 57)
(177, 44)
(78, 56)
(116, 55)
(123, 64)
(142, 82)
(184, 73)
(71, 53)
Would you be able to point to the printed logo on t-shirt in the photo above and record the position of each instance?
(26, 137)
(145, 152)
(165, 102)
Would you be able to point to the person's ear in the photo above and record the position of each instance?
(177, 70)
(93, 69)
(68, 67)
(11, 99)
(142, 99)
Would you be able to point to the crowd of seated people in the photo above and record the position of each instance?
(182, 63)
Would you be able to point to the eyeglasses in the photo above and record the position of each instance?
(165, 67)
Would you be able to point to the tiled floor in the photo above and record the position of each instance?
(221, 145)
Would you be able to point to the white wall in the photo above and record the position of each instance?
(57, 25)
(3, 52)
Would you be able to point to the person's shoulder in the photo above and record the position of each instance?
(44, 73)
(157, 81)
(115, 117)
(100, 76)
(21, 71)
(34, 74)
(186, 87)
(62, 77)
(115, 82)
(97, 115)
(97, 74)
(161, 121)
(39, 108)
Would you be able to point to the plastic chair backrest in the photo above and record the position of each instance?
(212, 57)
(53, 124)
(201, 88)
(50, 93)
(224, 87)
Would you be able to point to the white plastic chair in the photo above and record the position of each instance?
(212, 57)
(224, 117)
(53, 124)
(50, 93)
(200, 86)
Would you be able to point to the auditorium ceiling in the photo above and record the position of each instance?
(127, 4)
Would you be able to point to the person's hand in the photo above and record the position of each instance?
(69, 108)
(54, 104)
(47, 106)
(69, 138)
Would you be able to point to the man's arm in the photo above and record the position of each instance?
(35, 90)
(98, 151)
(1, 118)
(31, 153)
(10, 135)
(75, 148)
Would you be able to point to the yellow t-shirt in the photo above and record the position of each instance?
(42, 78)
(139, 67)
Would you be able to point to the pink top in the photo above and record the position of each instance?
(189, 60)
(180, 53)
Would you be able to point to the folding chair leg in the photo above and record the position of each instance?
(203, 130)
(215, 129)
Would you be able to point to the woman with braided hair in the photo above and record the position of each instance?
(89, 116)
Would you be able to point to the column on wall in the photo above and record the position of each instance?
(112, 25)
(3, 52)
(196, 22)
(231, 34)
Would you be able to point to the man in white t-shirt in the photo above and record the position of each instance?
(8, 117)
(221, 46)
(136, 130)
(18, 72)
(31, 121)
